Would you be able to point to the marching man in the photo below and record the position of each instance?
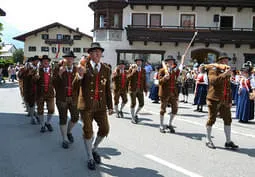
(119, 83)
(45, 93)
(95, 96)
(219, 99)
(168, 91)
(136, 86)
(66, 97)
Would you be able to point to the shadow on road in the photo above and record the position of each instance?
(249, 152)
(9, 85)
(108, 152)
(128, 172)
(194, 136)
(191, 115)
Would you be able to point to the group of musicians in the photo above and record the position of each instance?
(85, 91)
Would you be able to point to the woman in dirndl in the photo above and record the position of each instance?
(245, 108)
(201, 88)
(233, 86)
(154, 88)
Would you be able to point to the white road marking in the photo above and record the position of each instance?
(203, 125)
(172, 166)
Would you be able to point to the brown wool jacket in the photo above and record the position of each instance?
(40, 85)
(116, 82)
(29, 86)
(87, 87)
(61, 84)
(164, 85)
(132, 80)
(217, 82)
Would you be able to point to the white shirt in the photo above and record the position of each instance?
(69, 70)
(93, 65)
(46, 69)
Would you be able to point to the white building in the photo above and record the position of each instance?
(55, 40)
(7, 50)
(157, 28)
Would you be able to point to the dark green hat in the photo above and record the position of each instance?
(223, 56)
(45, 57)
(169, 57)
(94, 46)
(69, 54)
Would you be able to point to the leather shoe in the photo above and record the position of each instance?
(162, 130)
(65, 145)
(70, 137)
(49, 127)
(210, 145)
(91, 164)
(171, 128)
(43, 129)
(231, 145)
(96, 157)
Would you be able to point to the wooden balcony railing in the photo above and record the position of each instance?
(184, 34)
(59, 41)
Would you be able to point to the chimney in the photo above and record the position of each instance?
(77, 29)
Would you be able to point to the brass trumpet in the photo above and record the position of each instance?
(133, 66)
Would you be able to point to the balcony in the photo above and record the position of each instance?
(59, 41)
(206, 35)
(204, 3)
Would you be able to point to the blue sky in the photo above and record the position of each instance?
(27, 15)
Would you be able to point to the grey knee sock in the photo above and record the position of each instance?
(88, 148)
(98, 140)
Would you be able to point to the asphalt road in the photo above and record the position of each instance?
(129, 150)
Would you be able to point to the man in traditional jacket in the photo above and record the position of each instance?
(66, 97)
(219, 98)
(168, 91)
(28, 75)
(94, 99)
(119, 83)
(136, 86)
(45, 93)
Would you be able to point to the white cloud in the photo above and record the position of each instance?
(27, 15)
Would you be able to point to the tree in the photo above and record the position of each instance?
(18, 56)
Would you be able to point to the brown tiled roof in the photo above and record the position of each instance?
(45, 28)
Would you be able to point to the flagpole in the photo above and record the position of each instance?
(187, 49)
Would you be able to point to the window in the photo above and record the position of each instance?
(139, 19)
(102, 21)
(44, 49)
(85, 50)
(54, 49)
(59, 36)
(66, 49)
(116, 21)
(31, 48)
(155, 20)
(77, 37)
(188, 20)
(66, 37)
(253, 22)
(226, 22)
(77, 50)
(45, 36)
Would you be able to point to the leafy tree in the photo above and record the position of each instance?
(18, 56)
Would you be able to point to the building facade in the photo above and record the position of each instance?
(7, 50)
(55, 40)
(154, 29)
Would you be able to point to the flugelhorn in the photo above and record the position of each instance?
(133, 66)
